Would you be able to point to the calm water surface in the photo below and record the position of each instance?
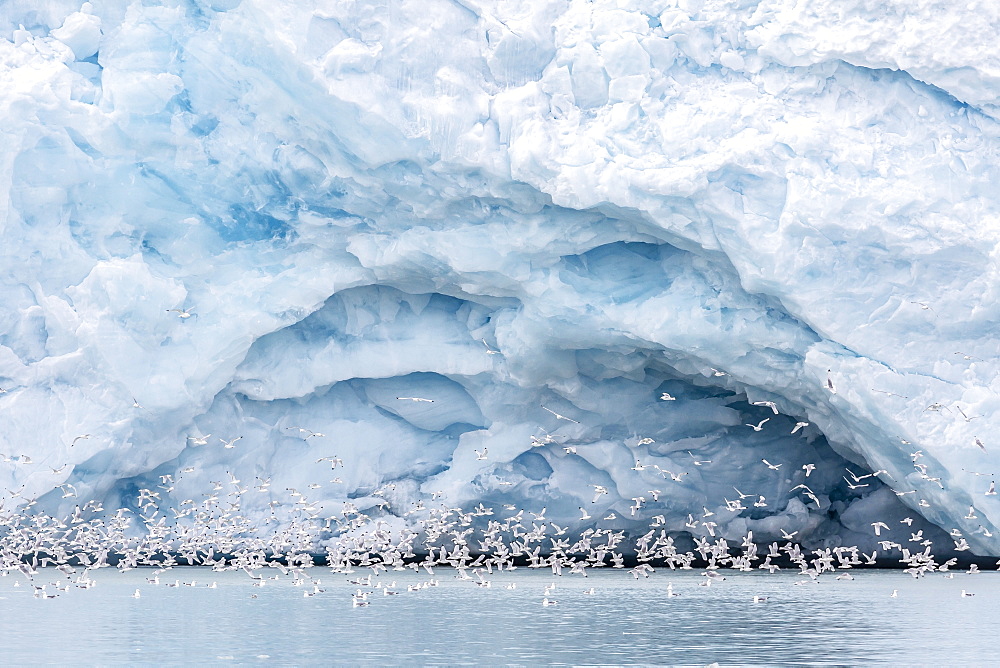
(832, 622)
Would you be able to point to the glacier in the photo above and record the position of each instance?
(583, 240)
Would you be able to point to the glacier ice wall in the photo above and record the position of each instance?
(228, 218)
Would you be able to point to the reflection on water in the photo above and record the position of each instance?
(830, 622)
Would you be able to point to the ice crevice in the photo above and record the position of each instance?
(501, 252)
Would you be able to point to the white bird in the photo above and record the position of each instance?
(770, 404)
(878, 526)
(183, 314)
(980, 444)
(891, 394)
(894, 594)
(966, 417)
(798, 426)
(773, 467)
(559, 417)
(992, 491)
(666, 396)
(230, 444)
(698, 462)
(308, 432)
(79, 438)
(136, 594)
(759, 426)
(808, 468)
(489, 351)
(199, 440)
(829, 382)
(585, 515)
(481, 455)
(852, 485)
(966, 594)
(428, 401)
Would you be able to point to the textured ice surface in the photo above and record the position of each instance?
(240, 219)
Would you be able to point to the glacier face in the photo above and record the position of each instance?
(592, 233)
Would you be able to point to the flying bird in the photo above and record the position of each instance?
(559, 417)
(308, 432)
(769, 404)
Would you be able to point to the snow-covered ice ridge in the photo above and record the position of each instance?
(230, 219)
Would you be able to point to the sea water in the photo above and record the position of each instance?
(624, 622)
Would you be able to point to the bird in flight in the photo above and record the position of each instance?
(428, 401)
(799, 425)
(769, 404)
(599, 490)
(966, 417)
(308, 432)
(183, 314)
(759, 426)
(853, 485)
(559, 417)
